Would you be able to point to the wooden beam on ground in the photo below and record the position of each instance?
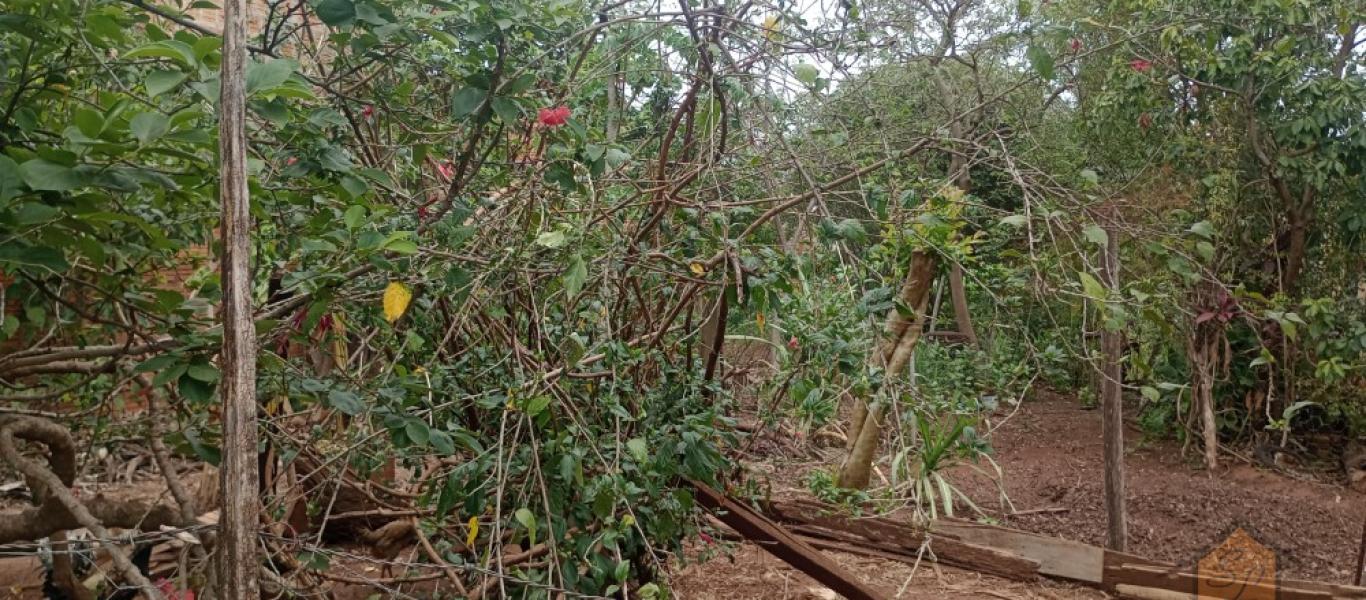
(1057, 557)
(1186, 584)
(783, 544)
(887, 535)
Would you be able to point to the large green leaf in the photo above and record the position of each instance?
(44, 175)
(345, 401)
(159, 82)
(32, 213)
(336, 13)
(149, 126)
(37, 256)
(269, 74)
(466, 101)
(11, 182)
(175, 50)
(1041, 61)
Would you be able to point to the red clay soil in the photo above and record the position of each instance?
(1050, 452)
(752, 574)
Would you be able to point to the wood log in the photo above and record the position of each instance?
(887, 535)
(783, 544)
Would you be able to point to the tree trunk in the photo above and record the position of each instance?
(1112, 342)
(893, 327)
(237, 563)
(865, 427)
(1201, 351)
(960, 305)
(1295, 252)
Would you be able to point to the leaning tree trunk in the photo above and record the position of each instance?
(902, 334)
(961, 316)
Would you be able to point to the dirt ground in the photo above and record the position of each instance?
(751, 573)
(1050, 452)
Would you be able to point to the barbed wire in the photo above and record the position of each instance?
(167, 534)
(80, 546)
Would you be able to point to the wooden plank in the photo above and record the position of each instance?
(783, 544)
(861, 550)
(1057, 557)
(887, 534)
(1144, 593)
(1338, 590)
(1185, 583)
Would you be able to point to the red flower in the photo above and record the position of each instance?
(1140, 65)
(291, 160)
(705, 538)
(168, 590)
(368, 111)
(446, 170)
(1075, 44)
(793, 344)
(553, 117)
(422, 213)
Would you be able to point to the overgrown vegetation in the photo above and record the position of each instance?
(498, 245)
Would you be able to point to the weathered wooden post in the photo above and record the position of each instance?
(237, 564)
(1112, 345)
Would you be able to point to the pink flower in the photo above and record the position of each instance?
(793, 344)
(368, 111)
(168, 590)
(446, 170)
(706, 539)
(1075, 44)
(553, 117)
(1140, 65)
(291, 160)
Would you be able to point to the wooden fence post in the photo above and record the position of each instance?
(1112, 345)
(237, 564)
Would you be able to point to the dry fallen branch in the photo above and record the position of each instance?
(52, 487)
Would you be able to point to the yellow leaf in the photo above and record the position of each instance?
(396, 299)
(697, 268)
(474, 532)
(771, 26)
(759, 319)
(340, 355)
(952, 193)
